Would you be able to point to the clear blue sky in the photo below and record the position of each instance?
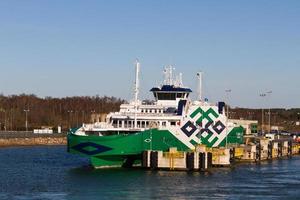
(65, 48)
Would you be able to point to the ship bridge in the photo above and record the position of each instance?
(172, 90)
(170, 95)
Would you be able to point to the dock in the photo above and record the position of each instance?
(204, 158)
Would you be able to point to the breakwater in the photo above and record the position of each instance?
(17, 138)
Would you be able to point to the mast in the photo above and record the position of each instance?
(170, 75)
(168, 72)
(179, 80)
(136, 91)
(199, 74)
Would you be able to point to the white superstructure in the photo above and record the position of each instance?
(171, 101)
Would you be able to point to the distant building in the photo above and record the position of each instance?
(43, 130)
(98, 117)
(250, 126)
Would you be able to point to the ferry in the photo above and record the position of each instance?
(172, 120)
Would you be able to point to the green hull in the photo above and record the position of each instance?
(122, 150)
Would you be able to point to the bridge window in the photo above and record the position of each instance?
(166, 96)
(180, 95)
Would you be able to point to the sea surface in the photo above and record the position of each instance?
(49, 172)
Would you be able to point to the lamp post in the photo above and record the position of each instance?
(4, 120)
(70, 118)
(3, 111)
(227, 99)
(269, 95)
(83, 116)
(26, 118)
(76, 115)
(262, 114)
(93, 116)
(227, 115)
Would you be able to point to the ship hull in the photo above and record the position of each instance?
(126, 149)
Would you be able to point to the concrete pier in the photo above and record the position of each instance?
(199, 160)
(203, 158)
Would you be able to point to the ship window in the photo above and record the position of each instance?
(173, 123)
(114, 123)
(129, 124)
(138, 124)
(166, 96)
(180, 95)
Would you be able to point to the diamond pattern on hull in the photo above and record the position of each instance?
(96, 148)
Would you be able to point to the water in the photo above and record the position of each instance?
(51, 173)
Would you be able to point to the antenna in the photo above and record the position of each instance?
(168, 73)
(180, 84)
(199, 75)
(136, 90)
(178, 81)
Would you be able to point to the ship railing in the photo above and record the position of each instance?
(145, 114)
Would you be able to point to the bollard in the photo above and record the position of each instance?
(201, 161)
(209, 159)
(153, 159)
(270, 150)
(258, 152)
(290, 145)
(232, 155)
(190, 161)
(145, 159)
(279, 149)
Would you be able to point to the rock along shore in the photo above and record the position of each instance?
(29, 139)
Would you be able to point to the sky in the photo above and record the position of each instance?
(71, 48)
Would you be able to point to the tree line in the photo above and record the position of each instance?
(73, 111)
(285, 118)
(52, 112)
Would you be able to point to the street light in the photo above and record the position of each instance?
(76, 115)
(93, 115)
(2, 110)
(70, 118)
(26, 120)
(227, 115)
(269, 95)
(83, 116)
(227, 99)
(262, 114)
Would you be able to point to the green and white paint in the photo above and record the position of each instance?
(202, 125)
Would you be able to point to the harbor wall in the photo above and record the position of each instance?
(29, 139)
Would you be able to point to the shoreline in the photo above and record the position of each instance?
(30, 139)
(31, 145)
